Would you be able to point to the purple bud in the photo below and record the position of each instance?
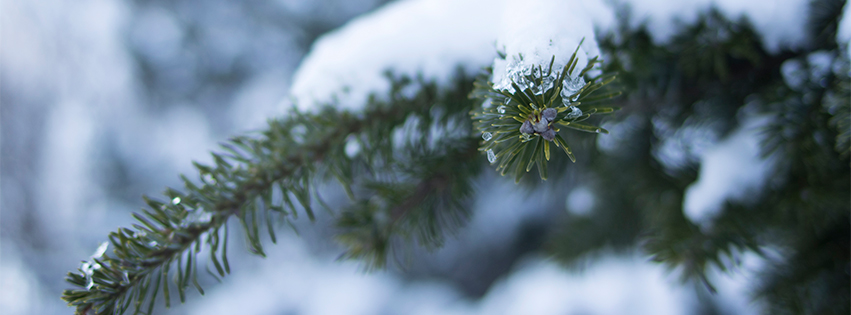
(549, 134)
(527, 127)
(541, 126)
(549, 114)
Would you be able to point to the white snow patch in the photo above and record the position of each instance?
(434, 38)
(733, 170)
(821, 63)
(292, 281)
(258, 100)
(352, 147)
(581, 201)
(67, 164)
(177, 137)
(613, 285)
(618, 133)
(793, 74)
(683, 146)
(736, 286)
(537, 30)
(843, 34)
(431, 38)
(18, 284)
(780, 22)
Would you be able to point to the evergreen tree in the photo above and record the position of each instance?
(407, 161)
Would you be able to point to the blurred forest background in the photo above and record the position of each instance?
(103, 101)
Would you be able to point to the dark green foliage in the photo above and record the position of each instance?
(708, 83)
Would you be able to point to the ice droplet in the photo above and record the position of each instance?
(175, 201)
(88, 269)
(352, 147)
(491, 156)
(487, 136)
(486, 103)
(203, 217)
(101, 250)
(516, 72)
(546, 85)
(574, 113)
(199, 216)
(571, 86)
(522, 83)
(208, 178)
(501, 109)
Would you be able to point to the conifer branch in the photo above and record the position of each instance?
(522, 117)
(262, 178)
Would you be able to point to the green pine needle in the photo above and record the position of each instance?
(506, 145)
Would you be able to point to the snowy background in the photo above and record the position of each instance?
(106, 100)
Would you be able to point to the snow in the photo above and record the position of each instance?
(791, 70)
(433, 38)
(733, 170)
(843, 34)
(18, 284)
(613, 285)
(352, 146)
(415, 37)
(537, 30)
(290, 281)
(580, 201)
(780, 22)
(736, 286)
(680, 147)
(821, 64)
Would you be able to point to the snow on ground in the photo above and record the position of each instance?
(781, 22)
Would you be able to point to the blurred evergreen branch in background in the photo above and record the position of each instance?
(710, 74)
(408, 164)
